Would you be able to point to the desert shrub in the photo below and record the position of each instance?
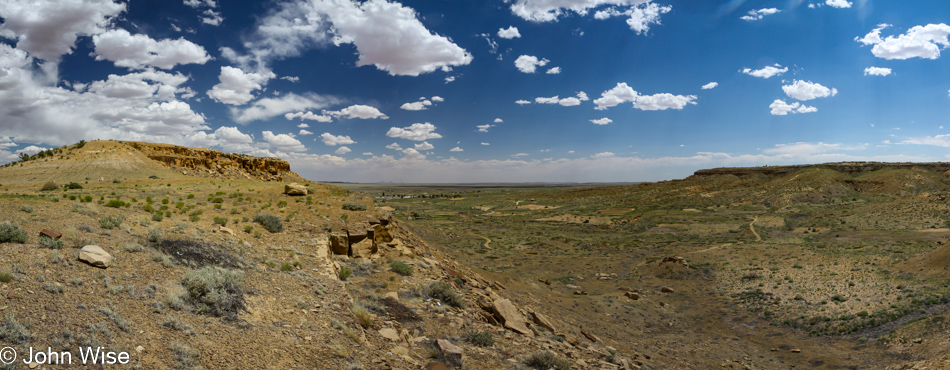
(194, 218)
(362, 315)
(80, 144)
(479, 338)
(157, 217)
(269, 222)
(11, 233)
(165, 201)
(47, 242)
(443, 291)
(88, 198)
(217, 200)
(345, 273)
(26, 209)
(134, 247)
(282, 204)
(248, 229)
(49, 185)
(353, 206)
(286, 267)
(215, 291)
(115, 203)
(110, 222)
(401, 268)
(54, 288)
(547, 360)
(6, 277)
(14, 332)
(185, 356)
(223, 221)
(72, 197)
(73, 185)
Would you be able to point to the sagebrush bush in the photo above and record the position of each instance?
(14, 332)
(49, 185)
(443, 291)
(73, 185)
(479, 338)
(349, 206)
(111, 222)
(115, 203)
(26, 209)
(401, 268)
(269, 222)
(223, 221)
(345, 272)
(11, 233)
(50, 243)
(215, 291)
(547, 360)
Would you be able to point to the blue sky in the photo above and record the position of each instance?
(474, 91)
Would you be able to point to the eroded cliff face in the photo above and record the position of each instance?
(212, 163)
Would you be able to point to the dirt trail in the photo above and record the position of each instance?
(487, 242)
(752, 229)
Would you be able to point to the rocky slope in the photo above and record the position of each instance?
(850, 168)
(212, 163)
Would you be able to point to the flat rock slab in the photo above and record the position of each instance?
(450, 352)
(389, 333)
(52, 234)
(96, 256)
(509, 316)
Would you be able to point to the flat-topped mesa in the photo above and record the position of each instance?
(850, 168)
(212, 163)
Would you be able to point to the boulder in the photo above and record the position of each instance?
(364, 249)
(591, 336)
(359, 231)
(542, 321)
(339, 244)
(95, 256)
(295, 189)
(508, 315)
(52, 234)
(436, 366)
(450, 352)
(666, 289)
(632, 295)
(389, 333)
(381, 234)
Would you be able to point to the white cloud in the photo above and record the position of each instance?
(48, 29)
(710, 85)
(802, 90)
(412, 154)
(781, 108)
(498, 120)
(290, 78)
(918, 42)
(304, 132)
(456, 149)
(333, 140)
(139, 51)
(342, 150)
(529, 63)
(438, 99)
(308, 116)
(551, 100)
(484, 128)
(449, 79)
(422, 103)
(554, 71)
(603, 155)
(803, 148)
(838, 3)
(357, 111)
(486, 144)
(755, 15)
(211, 17)
(766, 72)
(394, 146)
(368, 153)
(877, 71)
(266, 108)
(569, 102)
(624, 93)
(424, 146)
(582, 96)
(200, 3)
(417, 132)
(236, 85)
(522, 102)
(641, 13)
(283, 142)
(516, 155)
(509, 33)
(937, 140)
(601, 121)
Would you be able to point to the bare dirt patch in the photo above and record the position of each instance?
(535, 207)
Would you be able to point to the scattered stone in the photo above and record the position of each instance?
(796, 350)
(591, 336)
(139, 349)
(572, 286)
(52, 234)
(632, 295)
(666, 289)
(226, 230)
(95, 256)
(919, 340)
(389, 333)
(393, 295)
(580, 292)
(676, 259)
(508, 315)
(542, 321)
(450, 352)
(436, 366)
(400, 351)
(545, 281)
(295, 189)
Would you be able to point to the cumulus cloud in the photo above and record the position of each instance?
(417, 132)
(266, 108)
(211, 17)
(755, 15)
(569, 102)
(412, 154)
(456, 149)
(603, 155)
(394, 146)
(357, 111)
(486, 144)
(449, 79)
(919, 42)
(522, 102)
(601, 121)
(803, 148)
(304, 132)
(838, 3)
(422, 104)
(803, 90)
(498, 120)
(283, 142)
(48, 29)
(781, 108)
(290, 78)
(438, 99)
(529, 63)
(710, 85)
(139, 51)
(423, 146)
(624, 93)
(554, 71)
(877, 71)
(342, 150)
(766, 72)
(641, 13)
(484, 128)
(509, 33)
(235, 85)
(551, 100)
(308, 116)
(333, 140)
(936, 140)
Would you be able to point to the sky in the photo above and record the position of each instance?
(484, 91)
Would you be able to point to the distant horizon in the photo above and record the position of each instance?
(510, 91)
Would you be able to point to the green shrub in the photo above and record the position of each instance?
(286, 267)
(269, 222)
(11, 233)
(194, 218)
(217, 200)
(115, 203)
(443, 291)
(6, 277)
(26, 209)
(110, 222)
(133, 248)
(72, 197)
(479, 338)
(547, 360)
(191, 196)
(47, 242)
(353, 206)
(248, 229)
(215, 291)
(165, 201)
(345, 272)
(157, 217)
(49, 185)
(154, 235)
(73, 185)
(401, 268)
(223, 221)
(282, 204)
(88, 198)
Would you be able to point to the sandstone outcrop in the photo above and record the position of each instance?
(212, 163)
(295, 189)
